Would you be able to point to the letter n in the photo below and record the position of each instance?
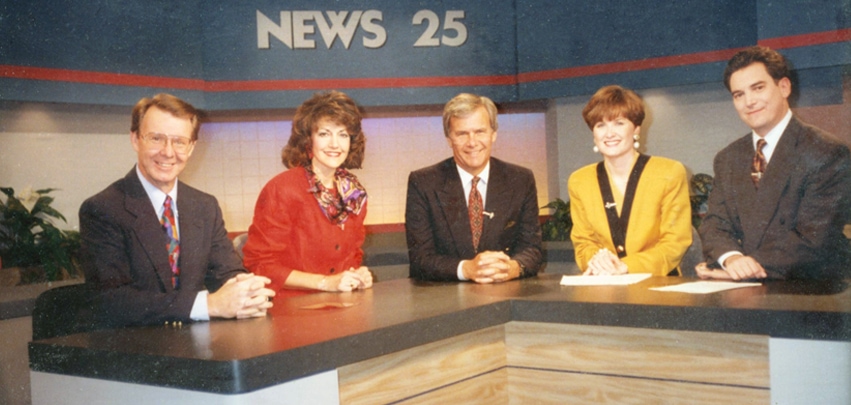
(267, 28)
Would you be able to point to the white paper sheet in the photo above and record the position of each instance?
(625, 279)
(705, 287)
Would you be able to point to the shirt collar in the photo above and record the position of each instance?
(155, 195)
(466, 177)
(773, 136)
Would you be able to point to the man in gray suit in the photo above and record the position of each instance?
(153, 246)
(472, 217)
(782, 193)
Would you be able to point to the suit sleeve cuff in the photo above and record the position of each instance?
(726, 256)
(199, 308)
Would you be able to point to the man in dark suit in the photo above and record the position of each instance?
(778, 210)
(141, 273)
(472, 217)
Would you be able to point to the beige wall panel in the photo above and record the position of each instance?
(487, 389)
(680, 355)
(414, 371)
(548, 387)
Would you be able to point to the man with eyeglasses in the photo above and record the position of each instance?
(155, 250)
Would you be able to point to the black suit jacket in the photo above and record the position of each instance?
(437, 225)
(792, 225)
(125, 259)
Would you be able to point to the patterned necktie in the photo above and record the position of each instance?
(758, 167)
(173, 241)
(474, 210)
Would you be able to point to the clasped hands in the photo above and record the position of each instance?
(349, 280)
(605, 263)
(491, 267)
(242, 296)
(736, 267)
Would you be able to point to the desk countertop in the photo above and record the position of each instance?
(298, 339)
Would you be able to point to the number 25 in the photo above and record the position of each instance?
(429, 38)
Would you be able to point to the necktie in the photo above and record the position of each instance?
(173, 241)
(758, 167)
(474, 210)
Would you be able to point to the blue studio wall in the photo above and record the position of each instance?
(224, 55)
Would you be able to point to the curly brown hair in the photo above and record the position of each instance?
(335, 106)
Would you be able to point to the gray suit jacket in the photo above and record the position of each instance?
(438, 228)
(792, 225)
(125, 260)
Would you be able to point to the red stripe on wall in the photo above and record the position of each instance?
(628, 66)
(120, 79)
(817, 38)
(360, 83)
(81, 76)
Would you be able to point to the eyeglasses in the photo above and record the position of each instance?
(180, 144)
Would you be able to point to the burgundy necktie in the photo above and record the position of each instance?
(758, 167)
(173, 241)
(474, 209)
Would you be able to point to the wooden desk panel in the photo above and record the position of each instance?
(525, 362)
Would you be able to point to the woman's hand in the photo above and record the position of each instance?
(349, 280)
(605, 263)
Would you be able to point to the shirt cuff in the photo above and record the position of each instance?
(199, 308)
(727, 255)
(460, 271)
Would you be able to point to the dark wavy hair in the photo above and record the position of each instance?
(335, 106)
(774, 62)
(169, 104)
(612, 101)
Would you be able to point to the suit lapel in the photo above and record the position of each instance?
(191, 230)
(740, 176)
(771, 187)
(497, 203)
(454, 207)
(149, 232)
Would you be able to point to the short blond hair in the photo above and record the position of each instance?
(463, 105)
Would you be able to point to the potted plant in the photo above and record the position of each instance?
(701, 186)
(557, 227)
(29, 240)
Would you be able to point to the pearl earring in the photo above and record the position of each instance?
(596, 149)
(635, 144)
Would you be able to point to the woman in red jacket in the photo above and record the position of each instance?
(308, 227)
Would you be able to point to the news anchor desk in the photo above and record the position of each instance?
(522, 341)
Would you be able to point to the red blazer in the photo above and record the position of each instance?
(290, 232)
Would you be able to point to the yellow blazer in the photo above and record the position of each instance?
(659, 229)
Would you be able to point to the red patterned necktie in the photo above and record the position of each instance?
(173, 241)
(474, 210)
(758, 167)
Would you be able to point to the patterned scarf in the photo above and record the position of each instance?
(348, 198)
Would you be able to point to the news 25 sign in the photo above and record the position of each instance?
(289, 40)
(296, 29)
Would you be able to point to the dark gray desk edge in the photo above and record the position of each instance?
(241, 376)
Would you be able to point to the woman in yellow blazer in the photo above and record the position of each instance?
(631, 212)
